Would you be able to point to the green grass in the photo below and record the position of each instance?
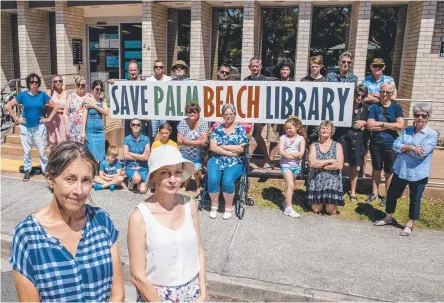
(271, 194)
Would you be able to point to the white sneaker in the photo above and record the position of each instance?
(213, 213)
(289, 211)
(228, 215)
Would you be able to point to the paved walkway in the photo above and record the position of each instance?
(322, 257)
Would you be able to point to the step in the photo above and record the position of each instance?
(16, 149)
(14, 139)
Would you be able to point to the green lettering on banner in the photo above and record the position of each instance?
(170, 106)
(179, 101)
(195, 97)
(158, 97)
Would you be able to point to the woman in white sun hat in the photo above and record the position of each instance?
(167, 260)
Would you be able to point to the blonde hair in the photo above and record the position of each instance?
(112, 151)
(317, 60)
(328, 124)
(297, 124)
(79, 80)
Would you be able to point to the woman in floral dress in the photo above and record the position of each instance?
(74, 111)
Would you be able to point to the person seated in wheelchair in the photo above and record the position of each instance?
(227, 143)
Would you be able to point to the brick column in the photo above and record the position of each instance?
(200, 44)
(250, 34)
(303, 40)
(69, 26)
(214, 45)
(154, 35)
(172, 47)
(33, 34)
(358, 36)
(7, 60)
(399, 43)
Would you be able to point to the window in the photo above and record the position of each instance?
(131, 46)
(178, 43)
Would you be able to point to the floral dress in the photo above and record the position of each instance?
(192, 153)
(237, 137)
(325, 186)
(76, 116)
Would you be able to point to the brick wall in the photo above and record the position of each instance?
(154, 35)
(69, 25)
(303, 40)
(214, 45)
(200, 44)
(33, 28)
(172, 39)
(358, 36)
(251, 32)
(53, 43)
(399, 43)
(422, 72)
(7, 60)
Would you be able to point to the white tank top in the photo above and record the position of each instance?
(58, 100)
(171, 256)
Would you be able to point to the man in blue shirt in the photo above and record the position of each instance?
(136, 151)
(344, 75)
(375, 80)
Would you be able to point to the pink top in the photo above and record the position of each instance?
(291, 145)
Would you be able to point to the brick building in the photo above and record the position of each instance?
(37, 37)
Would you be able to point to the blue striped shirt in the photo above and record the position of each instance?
(57, 275)
(373, 85)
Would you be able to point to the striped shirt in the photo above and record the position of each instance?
(57, 275)
(373, 85)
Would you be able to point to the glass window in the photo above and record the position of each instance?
(178, 40)
(131, 45)
(330, 26)
(229, 38)
(279, 34)
(103, 48)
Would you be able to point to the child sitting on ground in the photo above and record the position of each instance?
(291, 148)
(110, 171)
(164, 134)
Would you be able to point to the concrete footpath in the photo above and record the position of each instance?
(271, 257)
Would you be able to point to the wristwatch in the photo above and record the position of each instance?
(382, 124)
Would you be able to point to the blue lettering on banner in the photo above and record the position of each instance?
(328, 96)
(301, 96)
(342, 99)
(116, 103)
(314, 105)
(144, 100)
(287, 96)
(124, 100)
(135, 98)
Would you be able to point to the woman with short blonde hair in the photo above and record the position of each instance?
(73, 111)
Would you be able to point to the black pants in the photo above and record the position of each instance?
(396, 189)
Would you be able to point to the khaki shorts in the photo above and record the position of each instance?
(269, 132)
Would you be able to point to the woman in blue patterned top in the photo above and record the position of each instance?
(226, 144)
(415, 146)
(67, 251)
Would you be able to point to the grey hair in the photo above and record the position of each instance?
(391, 85)
(345, 54)
(79, 80)
(228, 106)
(423, 107)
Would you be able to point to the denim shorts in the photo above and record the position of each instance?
(294, 170)
(197, 164)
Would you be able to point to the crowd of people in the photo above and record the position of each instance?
(67, 251)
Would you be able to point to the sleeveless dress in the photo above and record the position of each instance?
(325, 186)
(172, 260)
(75, 116)
(95, 133)
(55, 129)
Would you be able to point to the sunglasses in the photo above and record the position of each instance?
(81, 85)
(158, 67)
(378, 65)
(421, 116)
(385, 92)
(179, 67)
(348, 62)
(193, 110)
(33, 82)
(225, 73)
(362, 96)
(98, 89)
(135, 125)
(58, 81)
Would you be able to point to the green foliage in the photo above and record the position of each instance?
(230, 33)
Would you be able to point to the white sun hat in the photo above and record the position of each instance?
(168, 155)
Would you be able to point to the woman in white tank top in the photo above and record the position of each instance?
(167, 260)
(55, 128)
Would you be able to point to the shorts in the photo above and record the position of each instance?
(188, 292)
(197, 164)
(294, 170)
(382, 157)
(143, 172)
(273, 131)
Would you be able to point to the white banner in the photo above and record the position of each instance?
(255, 101)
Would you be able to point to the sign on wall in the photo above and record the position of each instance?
(77, 51)
(258, 102)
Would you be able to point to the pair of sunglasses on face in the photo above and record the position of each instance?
(193, 111)
(179, 67)
(158, 67)
(58, 81)
(420, 116)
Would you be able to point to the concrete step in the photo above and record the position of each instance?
(16, 149)
(13, 139)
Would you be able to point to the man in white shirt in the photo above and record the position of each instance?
(159, 75)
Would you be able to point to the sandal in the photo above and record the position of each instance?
(213, 212)
(407, 231)
(353, 199)
(383, 222)
(267, 168)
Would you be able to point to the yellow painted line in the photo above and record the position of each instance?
(13, 165)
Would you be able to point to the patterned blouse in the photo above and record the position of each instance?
(57, 275)
(192, 153)
(237, 137)
(76, 116)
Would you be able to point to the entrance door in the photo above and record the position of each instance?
(104, 45)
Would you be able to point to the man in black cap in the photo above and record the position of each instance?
(375, 80)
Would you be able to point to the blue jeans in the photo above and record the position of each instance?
(396, 189)
(229, 176)
(34, 136)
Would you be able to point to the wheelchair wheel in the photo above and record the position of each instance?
(241, 213)
(249, 201)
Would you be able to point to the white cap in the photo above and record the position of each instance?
(168, 155)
